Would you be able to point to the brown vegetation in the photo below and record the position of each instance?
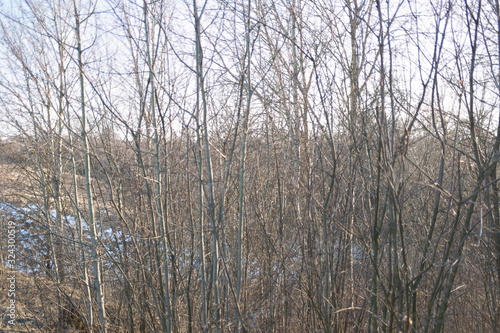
(252, 166)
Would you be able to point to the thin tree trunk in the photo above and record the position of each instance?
(79, 227)
(208, 165)
(96, 266)
(241, 187)
(158, 180)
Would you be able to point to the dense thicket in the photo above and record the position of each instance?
(252, 166)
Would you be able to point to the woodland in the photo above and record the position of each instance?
(249, 166)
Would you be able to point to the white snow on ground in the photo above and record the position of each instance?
(32, 229)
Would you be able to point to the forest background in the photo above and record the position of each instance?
(250, 166)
